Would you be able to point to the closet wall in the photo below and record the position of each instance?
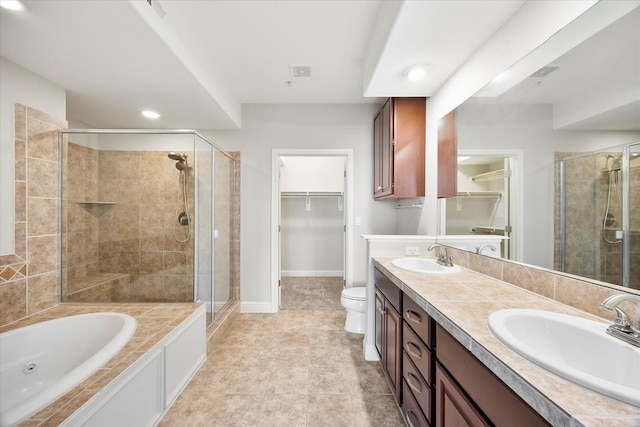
(481, 203)
(312, 216)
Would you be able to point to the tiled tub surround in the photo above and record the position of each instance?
(154, 323)
(461, 303)
(30, 278)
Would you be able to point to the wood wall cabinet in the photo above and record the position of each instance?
(388, 330)
(399, 149)
(447, 156)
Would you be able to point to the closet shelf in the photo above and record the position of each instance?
(479, 194)
(488, 176)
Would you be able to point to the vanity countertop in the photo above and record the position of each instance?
(461, 303)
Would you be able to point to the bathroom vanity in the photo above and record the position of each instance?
(448, 369)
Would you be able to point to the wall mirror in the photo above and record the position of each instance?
(577, 93)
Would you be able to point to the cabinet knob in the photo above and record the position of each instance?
(379, 187)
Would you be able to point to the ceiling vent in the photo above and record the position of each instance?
(300, 71)
(544, 72)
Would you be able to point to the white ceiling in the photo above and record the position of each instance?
(203, 60)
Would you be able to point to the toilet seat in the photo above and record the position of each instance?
(358, 293)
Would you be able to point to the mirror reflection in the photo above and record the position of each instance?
(576, 94)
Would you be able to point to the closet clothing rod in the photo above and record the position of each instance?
(311, 194)
(479, 194)
(415, 205)
(488, 176)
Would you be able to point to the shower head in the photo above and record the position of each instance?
(177, 156)
(180, 165)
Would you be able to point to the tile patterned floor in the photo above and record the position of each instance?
(292, 368)
(310, 293)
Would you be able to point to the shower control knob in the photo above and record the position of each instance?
(183, 218)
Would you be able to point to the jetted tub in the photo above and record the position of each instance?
(41, 362)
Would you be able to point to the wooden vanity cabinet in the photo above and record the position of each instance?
(388, 330)
(399, 148)
(468, 393)
(418, 364)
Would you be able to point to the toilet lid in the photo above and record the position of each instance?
(358, 293)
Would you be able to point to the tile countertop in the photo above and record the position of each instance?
(154, 322)
(461, 303)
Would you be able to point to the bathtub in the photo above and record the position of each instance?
(41, 362)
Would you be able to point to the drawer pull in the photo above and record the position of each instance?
(414, 350)
(409, 422)
(413, 316)
(414, 383)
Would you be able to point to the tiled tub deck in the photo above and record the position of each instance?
(154, 323)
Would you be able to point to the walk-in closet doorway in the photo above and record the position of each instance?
(311, 242)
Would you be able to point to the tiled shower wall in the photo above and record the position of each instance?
(29, 279)
(121, 209)
(587, 253)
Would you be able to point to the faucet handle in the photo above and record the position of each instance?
(621, 322)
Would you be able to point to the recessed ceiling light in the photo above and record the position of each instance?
(416, 72)
(14, 5)
(150, 114)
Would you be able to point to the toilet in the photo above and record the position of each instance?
(354, 300)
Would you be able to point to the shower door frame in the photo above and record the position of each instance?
(195, 134)
(625, 169)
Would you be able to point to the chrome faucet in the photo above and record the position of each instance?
(486, 245)
(443, 257)
(622, 327)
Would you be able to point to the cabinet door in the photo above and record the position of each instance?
(377, 155)
(447, 156)
(379, 320)
(453, 408)
(393, 347)
(384, 162)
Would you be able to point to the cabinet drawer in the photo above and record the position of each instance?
(410, 409)
(421, 391)
(419, 354)
(388, 289)
(494, 398)
(418, 319)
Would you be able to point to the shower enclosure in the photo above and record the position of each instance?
(147, 216)
(598, 215)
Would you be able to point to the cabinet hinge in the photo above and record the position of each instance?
(508, 228)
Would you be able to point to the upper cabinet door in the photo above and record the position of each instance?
(447, 156)
(383, 151)
(399, 153)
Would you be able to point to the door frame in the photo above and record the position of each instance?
(276, 153)
(515, 198)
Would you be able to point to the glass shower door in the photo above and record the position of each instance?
(204, 225)
(632, 264)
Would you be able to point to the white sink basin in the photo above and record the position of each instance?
(576, 349)
(424, 265)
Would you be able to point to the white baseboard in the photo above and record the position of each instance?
(255, 307)
(312, 273)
